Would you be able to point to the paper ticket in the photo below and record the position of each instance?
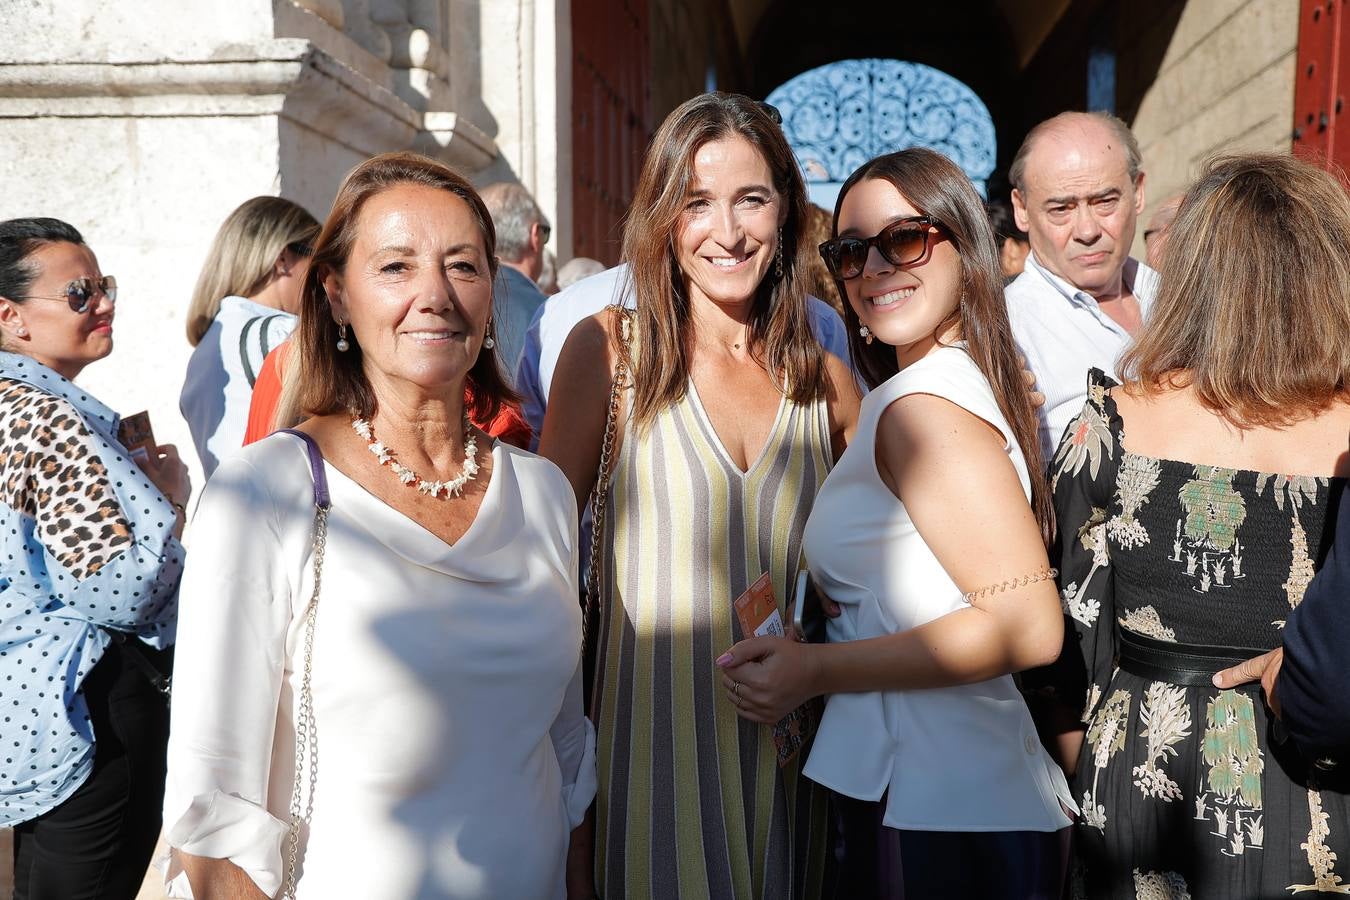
(758, 613)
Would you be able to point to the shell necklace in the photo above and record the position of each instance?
(442, 489)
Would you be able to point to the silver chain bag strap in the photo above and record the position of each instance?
(306, 734)
(600, 494)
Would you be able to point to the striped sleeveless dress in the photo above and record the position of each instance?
(692, 803)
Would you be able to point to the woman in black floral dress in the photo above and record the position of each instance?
(1182, 547)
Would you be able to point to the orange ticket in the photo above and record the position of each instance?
(757, 610)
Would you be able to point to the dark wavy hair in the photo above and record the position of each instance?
(937, 187)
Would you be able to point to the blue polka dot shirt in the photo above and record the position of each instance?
(86, 545)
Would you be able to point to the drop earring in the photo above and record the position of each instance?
(778, 262)
(488, 341)
(342, 344)
(866, 333)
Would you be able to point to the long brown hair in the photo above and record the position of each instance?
(328, 381)
(1254, 307)
(936, 187)
(780, 335)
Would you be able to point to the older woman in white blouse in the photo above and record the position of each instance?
(453, 754)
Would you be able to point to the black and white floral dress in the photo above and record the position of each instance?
(1187, 791)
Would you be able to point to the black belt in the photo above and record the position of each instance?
(1195, 664)
(1189, 664)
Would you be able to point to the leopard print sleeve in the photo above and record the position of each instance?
(50, 471)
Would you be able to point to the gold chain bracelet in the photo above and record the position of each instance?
(1043, 575)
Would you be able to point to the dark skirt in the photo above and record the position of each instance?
(875, 861)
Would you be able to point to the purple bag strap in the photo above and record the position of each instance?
(321, 498)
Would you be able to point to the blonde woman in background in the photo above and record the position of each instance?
(245, 303)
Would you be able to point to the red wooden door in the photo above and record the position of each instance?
(1322, 83)
(611, 119)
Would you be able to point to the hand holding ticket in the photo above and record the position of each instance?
(137, 436)
(160, 462)
(759, 616)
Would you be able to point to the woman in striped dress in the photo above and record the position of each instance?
(730, 419)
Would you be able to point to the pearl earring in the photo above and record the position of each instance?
(866, 333)
(22, 332)
(342, 344)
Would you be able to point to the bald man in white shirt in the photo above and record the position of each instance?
(1078, 191)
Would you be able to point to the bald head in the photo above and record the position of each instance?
(1078, 192)
(1073, 127)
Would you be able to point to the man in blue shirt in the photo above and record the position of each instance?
(522, 232)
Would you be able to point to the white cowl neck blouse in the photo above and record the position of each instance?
(453, 754)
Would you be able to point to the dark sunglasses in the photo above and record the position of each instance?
(902, 243)
(81, 291)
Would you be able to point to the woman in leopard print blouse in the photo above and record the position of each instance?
(88, 585)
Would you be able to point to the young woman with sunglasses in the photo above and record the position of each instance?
(89, 589)
(930, 534)
(247, 301)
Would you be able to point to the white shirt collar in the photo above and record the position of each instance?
(1141, 280)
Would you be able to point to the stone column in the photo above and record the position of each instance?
(144, 124)
(519, 68)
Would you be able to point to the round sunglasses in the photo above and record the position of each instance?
(902, 243)
(81, 292)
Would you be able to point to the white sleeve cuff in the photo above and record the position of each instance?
(578, 794)
(223, 826)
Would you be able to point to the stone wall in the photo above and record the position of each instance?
(513, 66)
(1223, 80)
(145, 124)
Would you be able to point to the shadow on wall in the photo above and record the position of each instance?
(466, 43)
(1142, 39)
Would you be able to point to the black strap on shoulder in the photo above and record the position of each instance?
(263, 323)
(321, 496)
(263, 343)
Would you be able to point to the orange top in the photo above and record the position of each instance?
(509, 425)
(266, 394)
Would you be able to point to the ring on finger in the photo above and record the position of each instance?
(736, 689)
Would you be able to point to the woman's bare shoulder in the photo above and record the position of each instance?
(592, 343)
(842, 379)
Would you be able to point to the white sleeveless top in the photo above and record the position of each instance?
(964, 758)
